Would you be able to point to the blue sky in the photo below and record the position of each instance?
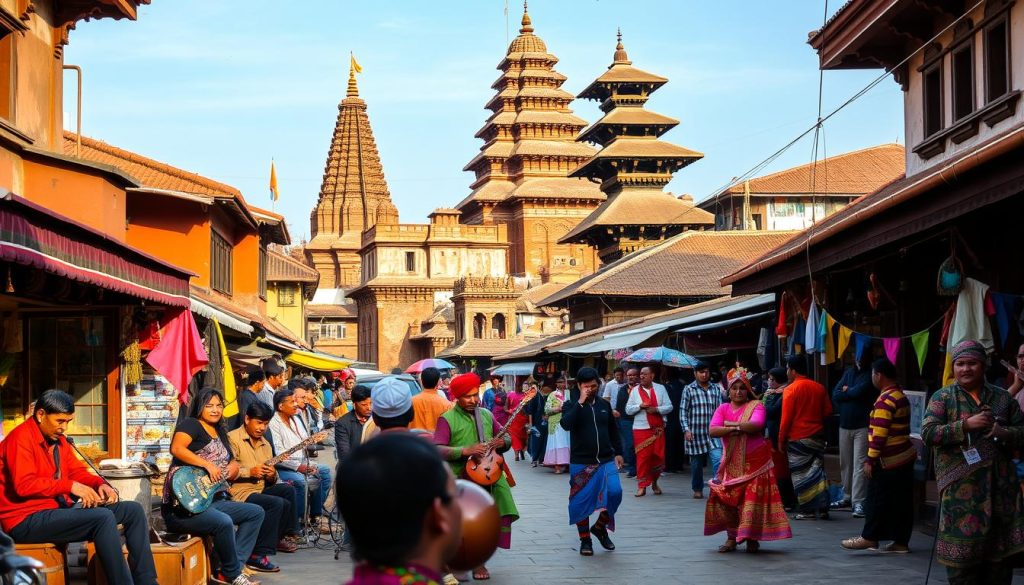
(221, 87)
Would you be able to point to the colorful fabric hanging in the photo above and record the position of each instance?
(920, 343)
(180, 353)
(861, 342)
(844, 339)
(892, 348)
(811, 334)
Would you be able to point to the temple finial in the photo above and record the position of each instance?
(527, 23)
(620, 51)
(353, 68)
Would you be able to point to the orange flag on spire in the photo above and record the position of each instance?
(355, 64)
(273, 182)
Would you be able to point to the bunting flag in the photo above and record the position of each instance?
(829, 355)
(844, 339)
(892, 348)
(273, 182)
(230, 393)
(861, 342)
(920, 342)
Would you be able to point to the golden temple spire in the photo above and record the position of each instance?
(527, 23)
(620, 51)
(353, 90)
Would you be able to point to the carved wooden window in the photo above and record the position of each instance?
(498, 326)
(479, 322)
(220, 263)
(932, 87)
(286, 294)
(410, 261)
(997, 59)
(962, 71)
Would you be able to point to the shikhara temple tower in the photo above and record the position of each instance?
(633, 167)
(521, 172)
(353, 197)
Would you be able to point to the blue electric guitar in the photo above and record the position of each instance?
(194, 489)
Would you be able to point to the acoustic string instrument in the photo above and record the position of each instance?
(194, 489)
(1017, 373)
(486, 470)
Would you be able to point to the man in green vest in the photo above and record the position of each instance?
(468, 431)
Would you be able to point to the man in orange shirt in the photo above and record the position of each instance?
(428, 405)
(805, 404)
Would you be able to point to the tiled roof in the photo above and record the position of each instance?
(436, 331)
(856, 173)
(338, 311)
(591, 335)
(621, 73)
(482, 347)
(640, 207)
(245, 314)
(149, 172)
(642, 148)
(629, 116)
(688, 265)
(532, 349)
(562, 187)
(284, 268)
(531, 297)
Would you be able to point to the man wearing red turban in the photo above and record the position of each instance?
(467, 431)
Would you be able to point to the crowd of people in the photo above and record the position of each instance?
(763, 438)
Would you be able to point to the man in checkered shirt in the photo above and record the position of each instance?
(700, 400)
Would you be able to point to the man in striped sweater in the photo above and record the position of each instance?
(889, 468)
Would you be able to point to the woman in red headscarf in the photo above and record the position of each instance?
(744, 498)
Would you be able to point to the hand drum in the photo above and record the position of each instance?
(481, 527)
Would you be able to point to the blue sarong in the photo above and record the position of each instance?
(593, 488)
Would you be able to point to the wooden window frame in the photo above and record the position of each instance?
(221, 263)
(955, 71)
(289, 289)
(410, 261)
(262, 271)
(1004, 21)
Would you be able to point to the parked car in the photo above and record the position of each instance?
(371, 379)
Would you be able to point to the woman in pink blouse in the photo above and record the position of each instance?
(744, 500)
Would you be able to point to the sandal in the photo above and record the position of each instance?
(728, 547)
(656, 490)
(753, 546)
(641, 492)
(803, 516)
(481, 574)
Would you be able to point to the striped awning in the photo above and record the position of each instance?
(34, 236)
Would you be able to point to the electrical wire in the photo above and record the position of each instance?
(856, 96)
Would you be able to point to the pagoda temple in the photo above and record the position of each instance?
(353, 197)
(521, 172)
(633, 167)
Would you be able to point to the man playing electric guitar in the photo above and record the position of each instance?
(468, 431)
(257, 484)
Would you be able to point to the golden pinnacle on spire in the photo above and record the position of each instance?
(527, 23)
(353, 68)
(620, 51)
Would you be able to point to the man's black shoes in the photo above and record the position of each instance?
(586, 547)
(602, 537)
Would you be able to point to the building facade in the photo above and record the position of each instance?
(796, 198)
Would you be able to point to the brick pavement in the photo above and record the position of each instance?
(659, 540)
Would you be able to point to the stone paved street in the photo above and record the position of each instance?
(659, 540)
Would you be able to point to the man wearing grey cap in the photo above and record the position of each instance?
(390, 408)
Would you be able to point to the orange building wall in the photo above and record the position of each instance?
(171, 229)
(88, 199)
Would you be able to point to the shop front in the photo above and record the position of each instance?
(69, 300)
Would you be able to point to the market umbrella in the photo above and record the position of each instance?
(662, 355)
(429, 363)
